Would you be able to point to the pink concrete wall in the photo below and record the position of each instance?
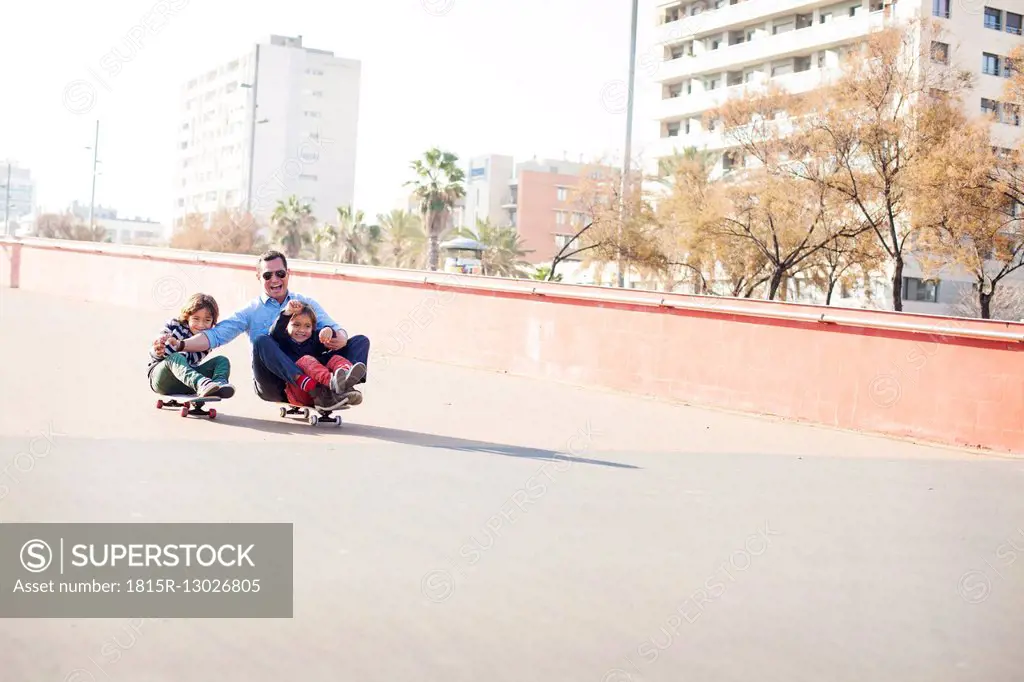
(931, 386)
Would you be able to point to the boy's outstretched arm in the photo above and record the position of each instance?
(279, 332)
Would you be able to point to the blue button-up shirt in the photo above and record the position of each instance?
(258, 319)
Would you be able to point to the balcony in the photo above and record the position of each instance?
(717, 20)
(692, 105)
(771, 48)
(711, 141)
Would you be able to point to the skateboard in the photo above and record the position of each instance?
(192, 404)
(321, 416)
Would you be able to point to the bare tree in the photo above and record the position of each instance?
(867, 132)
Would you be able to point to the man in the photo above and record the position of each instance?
(271, 368)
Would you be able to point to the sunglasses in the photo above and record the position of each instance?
(281, 274)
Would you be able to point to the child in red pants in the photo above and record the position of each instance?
(294, 331)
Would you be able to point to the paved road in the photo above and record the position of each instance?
(668, 543)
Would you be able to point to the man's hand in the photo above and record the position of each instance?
(332, 339)
(294, 307)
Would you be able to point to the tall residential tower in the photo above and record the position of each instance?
(715, 48)
(299, 140)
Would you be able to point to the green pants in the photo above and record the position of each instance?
(174, 375)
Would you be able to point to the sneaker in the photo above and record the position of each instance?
(344, 379)
(325, 399)
(352, 397)
(356, 373)
(226, 390)
(207, 388)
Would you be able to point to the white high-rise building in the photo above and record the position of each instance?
(302, 136)
(713, 49)
(487, 189)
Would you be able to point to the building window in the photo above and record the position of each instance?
(1011, 115)
(989, 106)
(989, 64)
(311, 114)
(311, 178)
(1013, 23)
(923, 290)
(940, 52)
(314, 72)
(560, 217)
(940, 8)
(993, 19)
(563, 193)
(672, 129)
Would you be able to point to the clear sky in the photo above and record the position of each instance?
(519, 77)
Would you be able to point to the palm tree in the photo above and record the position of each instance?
(356, 242)
(503, 249)
(405, 239)
(291, 223)
(543, 273)
(322, 240)
(438, 186)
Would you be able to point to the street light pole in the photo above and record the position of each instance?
(629, 140)
(95, 156)
(252, 129)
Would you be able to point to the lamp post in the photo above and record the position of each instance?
(95, 160)
(252, 126)
(629, 141)
(7, 203)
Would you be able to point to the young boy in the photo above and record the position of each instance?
(171, 371)
(322, 385)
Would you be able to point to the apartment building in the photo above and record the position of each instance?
(19, 194)
(487, 183)
(714, 49)
(296, 108)
(541, 205)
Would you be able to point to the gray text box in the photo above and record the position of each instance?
(146, 570)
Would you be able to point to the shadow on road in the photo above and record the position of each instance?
(430, 440)
(275, 424)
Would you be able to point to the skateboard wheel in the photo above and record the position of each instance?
(159, 404)
(184, 412)
(305, 413)
(213, 413)
(337, 421)
(283, 412)
(311, 418)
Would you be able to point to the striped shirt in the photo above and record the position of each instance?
(178, 331)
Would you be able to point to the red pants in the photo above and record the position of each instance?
(316, 371)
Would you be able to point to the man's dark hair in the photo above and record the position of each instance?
(268, 256)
